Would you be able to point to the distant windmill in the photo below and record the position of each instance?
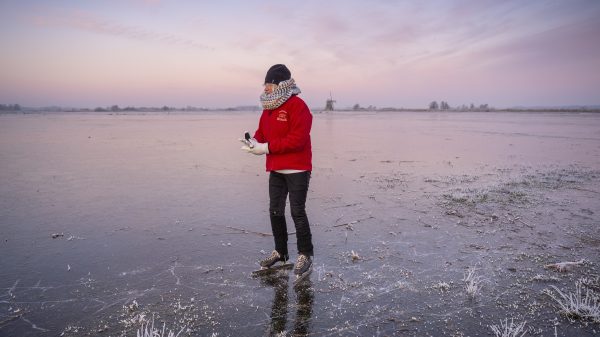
(329, 103)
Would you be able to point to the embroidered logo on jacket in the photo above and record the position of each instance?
(282, 116)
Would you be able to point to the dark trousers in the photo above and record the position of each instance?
(296, 185)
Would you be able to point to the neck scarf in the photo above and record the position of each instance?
(284, 90)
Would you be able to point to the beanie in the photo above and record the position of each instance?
(278, 73)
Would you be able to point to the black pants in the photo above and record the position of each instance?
(296, 185)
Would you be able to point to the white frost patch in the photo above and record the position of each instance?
(133, 272)
(544, 278)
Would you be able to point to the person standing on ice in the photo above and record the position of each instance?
(283, 135)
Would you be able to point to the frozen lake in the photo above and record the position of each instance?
(107, 220)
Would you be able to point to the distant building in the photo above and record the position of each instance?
(329, 103)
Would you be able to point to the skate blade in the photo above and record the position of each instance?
(270, 270)
(300, 278)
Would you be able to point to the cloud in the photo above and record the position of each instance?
(565, 44)
(389, 33)
(87, 22)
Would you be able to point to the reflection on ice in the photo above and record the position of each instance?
(280, 307)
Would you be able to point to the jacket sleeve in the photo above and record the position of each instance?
(298, 135)
(259, 134)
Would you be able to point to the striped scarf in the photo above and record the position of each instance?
(284, 90)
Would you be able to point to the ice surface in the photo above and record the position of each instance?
(164, 216)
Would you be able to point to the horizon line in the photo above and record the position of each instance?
(256, 106)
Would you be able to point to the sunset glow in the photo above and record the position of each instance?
(383, 53)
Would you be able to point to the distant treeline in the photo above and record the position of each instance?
(10, 107)
(117, 109)
(444, 106)
(433, 106)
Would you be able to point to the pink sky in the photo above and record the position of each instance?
(382, 53)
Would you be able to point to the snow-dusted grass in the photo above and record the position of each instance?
(148, 330)
(508, 330)
(472, 282)
(577, 305)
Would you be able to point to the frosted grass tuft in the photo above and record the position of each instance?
(148, 330)
(472, 282)
(508, 330)
(577, 305)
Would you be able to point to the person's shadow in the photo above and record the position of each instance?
(279, 310)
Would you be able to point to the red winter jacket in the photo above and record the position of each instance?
(287, 130)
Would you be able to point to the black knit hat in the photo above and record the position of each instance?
(278, 73)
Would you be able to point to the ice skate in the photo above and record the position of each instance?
(303, 268)
(271, 264)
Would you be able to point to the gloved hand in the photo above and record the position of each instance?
(247, 143)
(246, 140)
(253, 146)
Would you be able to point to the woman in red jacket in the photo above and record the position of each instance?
(284, 136)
